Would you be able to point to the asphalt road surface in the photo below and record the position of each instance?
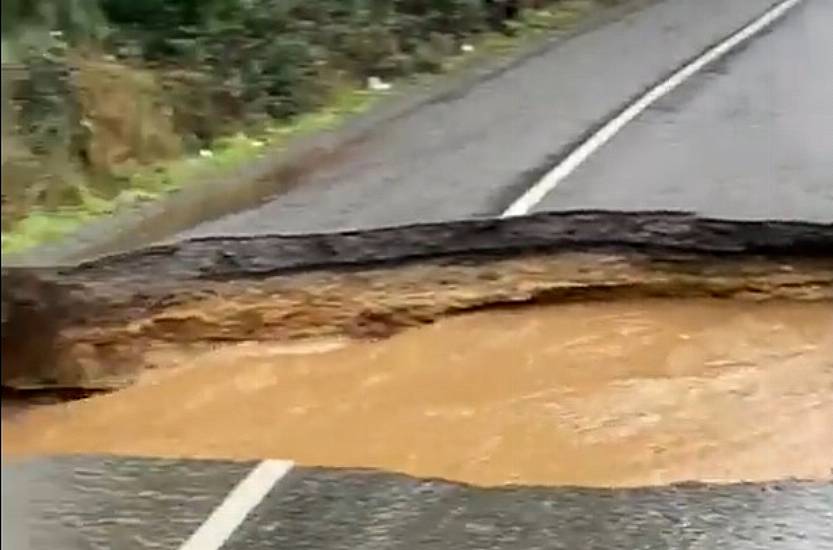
(472, 154)
(131, 503)
(749, 138)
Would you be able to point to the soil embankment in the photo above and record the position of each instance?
(98, 325)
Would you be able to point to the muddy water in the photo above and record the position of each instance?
(620, 393)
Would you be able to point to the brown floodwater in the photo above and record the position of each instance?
(620, 393)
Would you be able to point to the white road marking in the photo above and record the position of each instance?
(537, 192)
(222, 522)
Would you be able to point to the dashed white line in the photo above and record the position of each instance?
(537, 192)
(222, 522)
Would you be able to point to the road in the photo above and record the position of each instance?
(750, 137)
(131, 503)
(473, 154)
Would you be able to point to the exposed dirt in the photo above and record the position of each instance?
(622, 393)
(112, 333)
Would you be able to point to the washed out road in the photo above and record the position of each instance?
(758, 122)
(749, 137)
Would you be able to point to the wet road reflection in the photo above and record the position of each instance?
(129, 503)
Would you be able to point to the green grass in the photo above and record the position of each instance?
(234, 151)
(153, 183)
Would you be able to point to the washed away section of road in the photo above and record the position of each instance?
(592, 348)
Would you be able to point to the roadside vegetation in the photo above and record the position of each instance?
(108, 103)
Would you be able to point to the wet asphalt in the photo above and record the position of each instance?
(75, 503)
(749, 138)
(96, 502)
(471, 154)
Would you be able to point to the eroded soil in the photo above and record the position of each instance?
(104, 333)
(629, 392)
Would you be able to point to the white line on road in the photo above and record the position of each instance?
(537, 192)
(222, 522)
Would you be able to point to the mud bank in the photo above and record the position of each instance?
(100, 324)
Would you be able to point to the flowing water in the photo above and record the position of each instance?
(618, 393)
